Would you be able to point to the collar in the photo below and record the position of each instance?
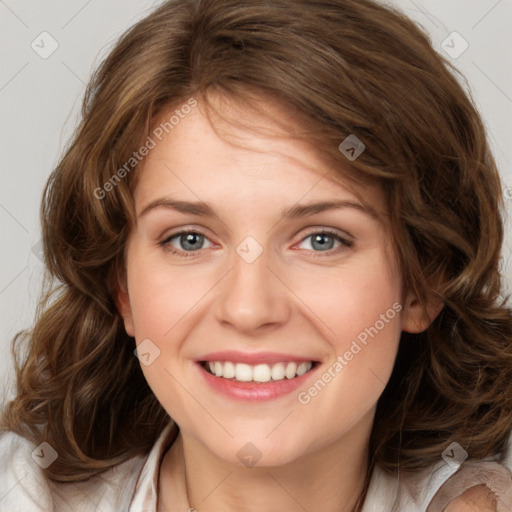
(145, 496)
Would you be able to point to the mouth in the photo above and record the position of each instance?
(255, 376)
(258, 373)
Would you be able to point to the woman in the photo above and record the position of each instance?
(290, 212)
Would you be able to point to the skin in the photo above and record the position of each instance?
(294, 298)
(476, 499)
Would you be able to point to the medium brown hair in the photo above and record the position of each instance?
(341, 67)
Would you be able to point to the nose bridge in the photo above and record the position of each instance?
(252, 297)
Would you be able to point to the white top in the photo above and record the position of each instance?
(132, 486)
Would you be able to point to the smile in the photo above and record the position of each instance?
(242, 372)
(255, 377)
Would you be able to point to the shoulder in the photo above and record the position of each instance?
(25, 487)
(476, 499)
(476, 486)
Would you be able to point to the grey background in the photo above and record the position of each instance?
(40, 98)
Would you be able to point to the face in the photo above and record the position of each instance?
(296, 309)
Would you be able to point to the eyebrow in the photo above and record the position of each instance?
(203, 209)
(319, 207)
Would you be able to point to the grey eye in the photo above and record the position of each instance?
(322, 241)
(188, 241)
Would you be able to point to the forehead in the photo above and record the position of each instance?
(243, 152)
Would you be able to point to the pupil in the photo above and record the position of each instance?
(320, 239)
(189, 239)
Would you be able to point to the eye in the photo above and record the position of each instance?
(323, 241)
(185, 242)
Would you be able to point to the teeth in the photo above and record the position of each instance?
(258, 373)
(290, 370)
(228, 372)
(278, 371)
(302, 369)
(261, 373)
(243, 372)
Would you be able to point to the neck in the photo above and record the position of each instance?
(332, 479)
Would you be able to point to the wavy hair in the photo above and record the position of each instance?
(340, 67)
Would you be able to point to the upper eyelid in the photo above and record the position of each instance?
(183, 230)
(167, 238)
(330, 231)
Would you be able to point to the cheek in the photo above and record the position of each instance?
(351, 299)
(359, 314)
(159, 308)
(165, 303)
(161, 297)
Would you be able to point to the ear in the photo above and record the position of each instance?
(416, 317)
(124, 307)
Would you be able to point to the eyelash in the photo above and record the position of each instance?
(345, 243)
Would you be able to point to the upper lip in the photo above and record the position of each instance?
(254, 358)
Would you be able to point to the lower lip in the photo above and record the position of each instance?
(251, 391)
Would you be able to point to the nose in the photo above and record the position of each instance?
(252, 298)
